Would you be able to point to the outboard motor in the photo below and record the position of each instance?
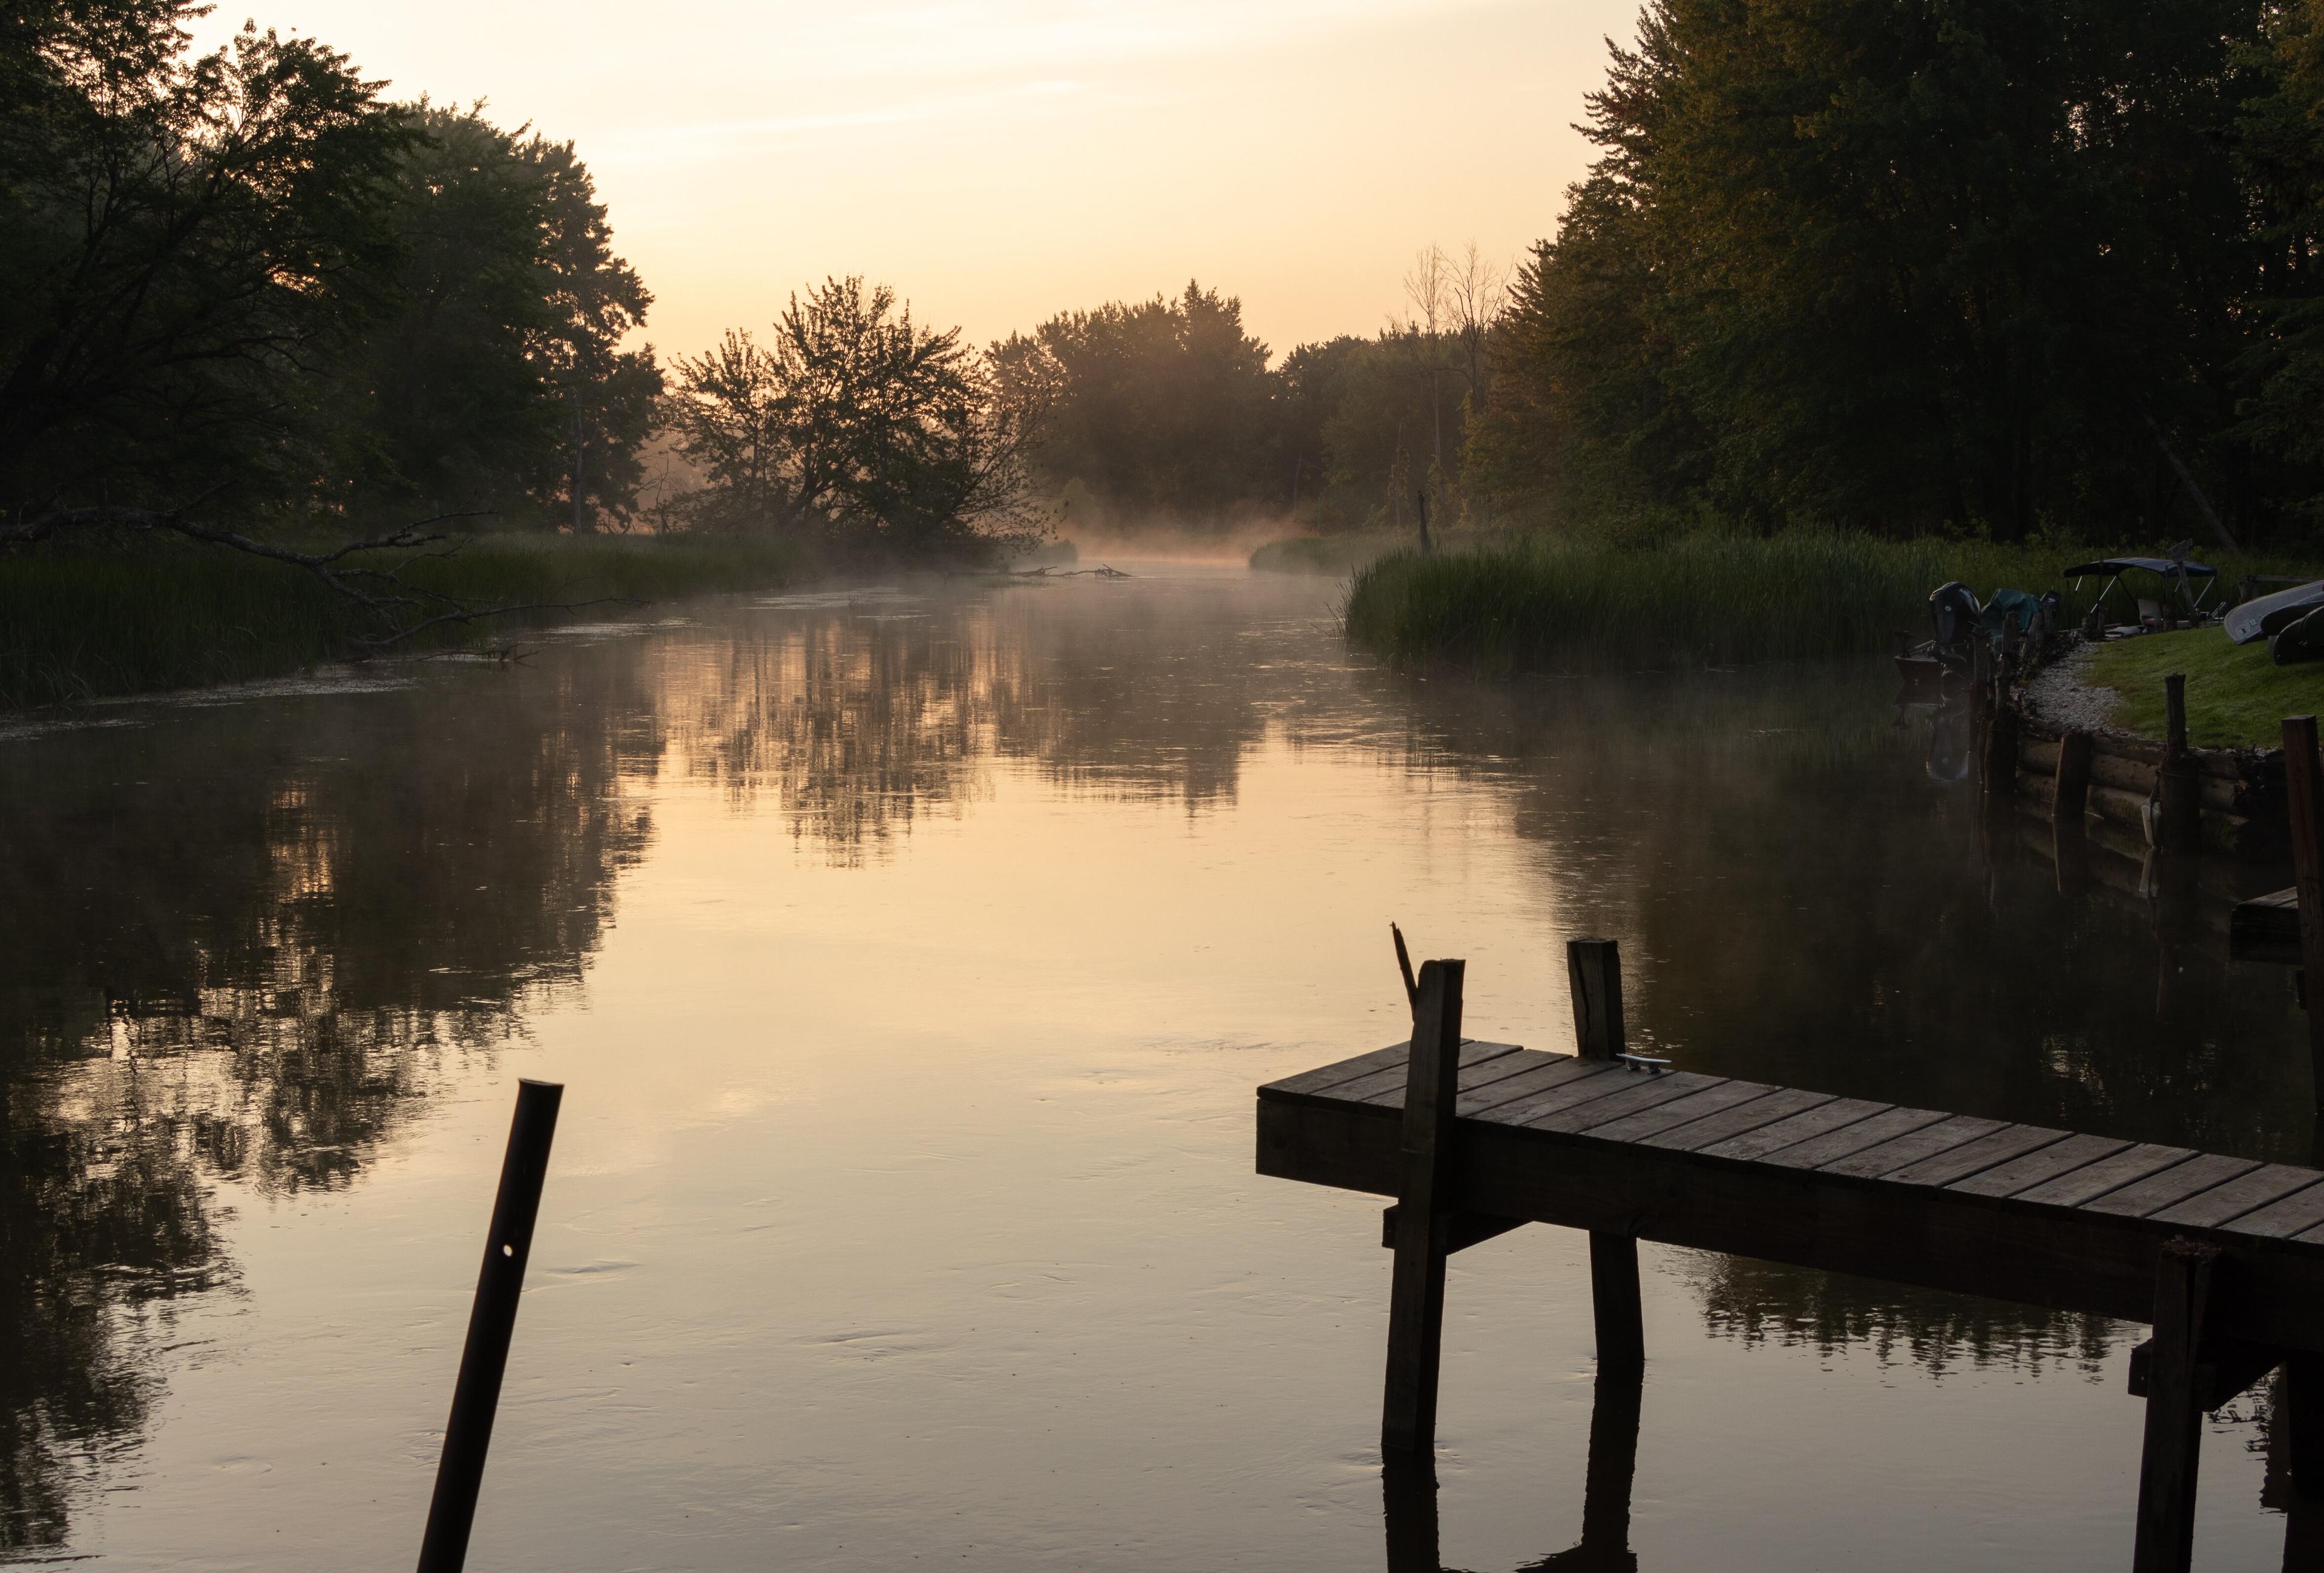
(1955, 612)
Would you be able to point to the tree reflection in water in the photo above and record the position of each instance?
(250, 950)
(251, 940)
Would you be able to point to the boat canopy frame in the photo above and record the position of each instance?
(2176, 572)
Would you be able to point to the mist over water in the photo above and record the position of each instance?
(911, 954)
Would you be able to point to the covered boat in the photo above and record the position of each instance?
(2179, 577)
(2265, 615)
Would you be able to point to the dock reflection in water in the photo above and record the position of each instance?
(909, 957)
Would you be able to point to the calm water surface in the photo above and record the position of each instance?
(910, 956)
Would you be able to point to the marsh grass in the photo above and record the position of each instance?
(1547, 604)
(87, 624)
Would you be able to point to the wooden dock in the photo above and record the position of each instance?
(2224, 1255)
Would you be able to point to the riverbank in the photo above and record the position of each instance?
(2236, 696)
(1552, 604)
(85, 624)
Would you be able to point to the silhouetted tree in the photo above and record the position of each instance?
(1163, 411)
(855, 419)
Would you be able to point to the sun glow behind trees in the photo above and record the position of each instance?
(999, 161)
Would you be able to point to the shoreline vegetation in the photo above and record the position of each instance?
(1540, 603)
(78, 625)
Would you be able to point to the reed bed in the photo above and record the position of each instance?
(1553, 604)
(76, 625)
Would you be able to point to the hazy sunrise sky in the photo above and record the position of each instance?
(998, 162)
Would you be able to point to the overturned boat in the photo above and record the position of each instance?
(2264, 617)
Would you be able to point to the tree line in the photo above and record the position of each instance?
(243, 281)
(1962, 265)
(1899, 266)
(247, 297)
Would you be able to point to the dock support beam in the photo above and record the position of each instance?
(2305, 795)
(1416, 1317)
(1593, 968)
(2176, 1383)
(2178, 780)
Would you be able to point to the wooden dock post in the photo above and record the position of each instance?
(1593, 971)
(2178, 780)
(491, 1321)
(2177, 1381)
(2072, 799)
(1415, 1317)
(2304, 794)
(1593, 968)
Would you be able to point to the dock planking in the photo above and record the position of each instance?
(2097, 1207)
(2224, 1255)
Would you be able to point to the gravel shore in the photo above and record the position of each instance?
(2057, 693)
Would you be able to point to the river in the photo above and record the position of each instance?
(911, 954)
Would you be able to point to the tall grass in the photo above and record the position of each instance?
(1553, 604)
(89, 624)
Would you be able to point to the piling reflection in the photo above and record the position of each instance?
(1409, 1492)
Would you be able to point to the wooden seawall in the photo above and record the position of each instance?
(2239, 791)
(2224, 1255)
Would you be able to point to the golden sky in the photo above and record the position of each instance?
(1000, 161)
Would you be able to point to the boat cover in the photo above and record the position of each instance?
(2003, 606)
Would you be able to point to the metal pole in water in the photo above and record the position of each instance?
(484, 1360)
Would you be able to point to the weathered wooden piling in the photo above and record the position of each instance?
(1593, 975)
(1593, 968)
(492, 1322)
(1415, 1323)
(2178, 1381)
(2178, 780)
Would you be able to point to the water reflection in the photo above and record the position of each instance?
(1408, 1493)
(254, 941)
(249, 951)
(1759, 1302)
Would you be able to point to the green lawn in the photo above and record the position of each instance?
(2235, 696)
